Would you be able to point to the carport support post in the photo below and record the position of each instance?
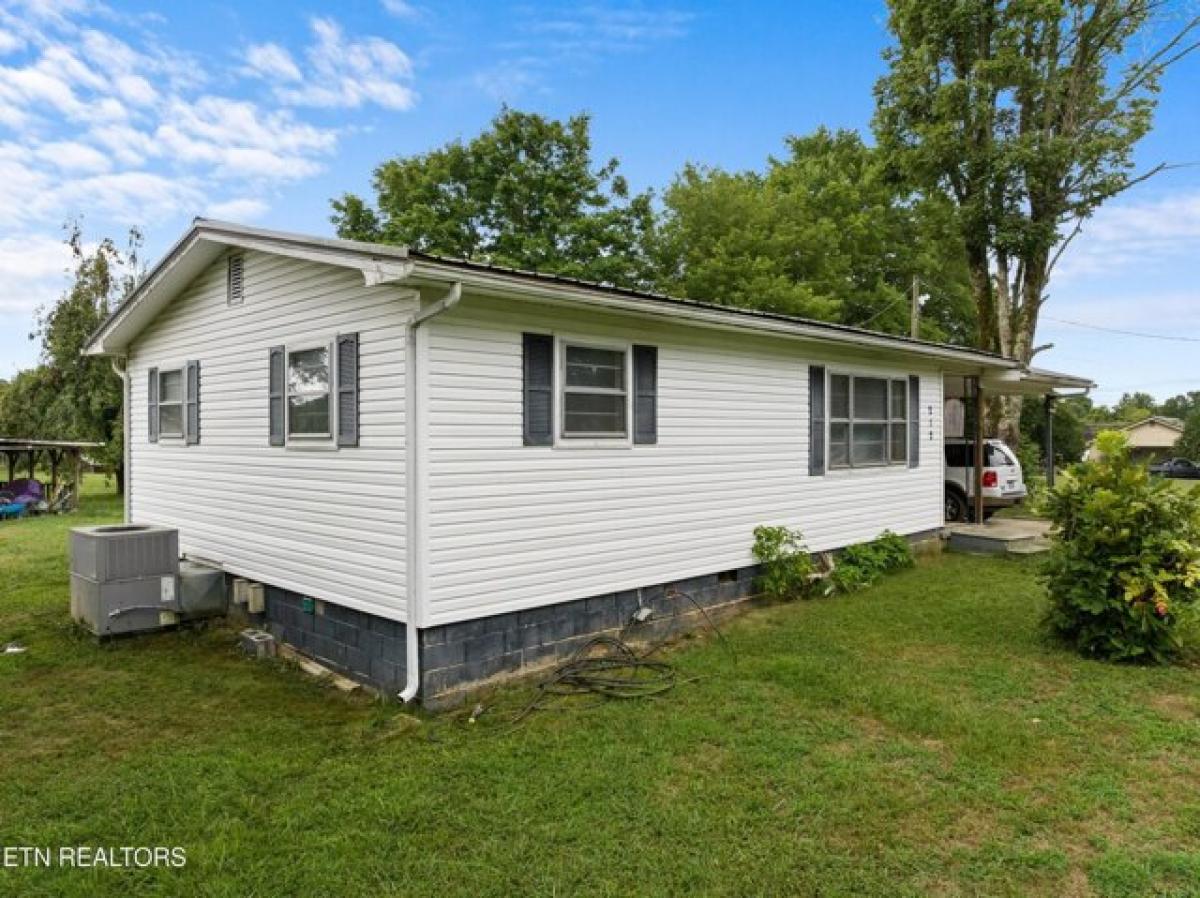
(1048, 448)
(978, 460)
(77, 487)
(12, 466)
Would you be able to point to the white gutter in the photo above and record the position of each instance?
(414, 499)
(122, 372)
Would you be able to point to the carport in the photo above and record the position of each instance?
(59, 456)
(964, 398)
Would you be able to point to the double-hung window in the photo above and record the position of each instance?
(868, 421)
(308, 392)
(170, 402)
(595, 392)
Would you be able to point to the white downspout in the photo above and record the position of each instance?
(122, 371)
(414, 498)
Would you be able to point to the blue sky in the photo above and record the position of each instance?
(150, 114)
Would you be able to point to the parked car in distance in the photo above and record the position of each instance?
(1003, 481)
(1176, 467)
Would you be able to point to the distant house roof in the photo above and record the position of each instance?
(1173, 423)
(206, 240)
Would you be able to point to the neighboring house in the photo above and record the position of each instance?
(444, 471)
(1151, 439)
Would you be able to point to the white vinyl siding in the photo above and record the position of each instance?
(320, 520)
(512, 526)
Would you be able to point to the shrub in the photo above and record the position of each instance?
(1124, 569)
(863, 564)
(787, 566)
(1033, 470)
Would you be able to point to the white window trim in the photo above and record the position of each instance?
(616, 441)
(850, 468)
(180, 435)
(309, 440)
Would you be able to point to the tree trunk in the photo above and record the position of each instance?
(119, 473)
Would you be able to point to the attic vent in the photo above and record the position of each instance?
(233, 283)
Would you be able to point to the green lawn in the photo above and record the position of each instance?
(918, 738)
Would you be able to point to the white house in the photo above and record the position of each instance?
(443, 471)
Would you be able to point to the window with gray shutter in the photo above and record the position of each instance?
(235, 280)
(538, 364)
(645, 394)
(191, 427)
(152, 405)
(347, 389)
(275, 388)
(816, 420)
(914, 421)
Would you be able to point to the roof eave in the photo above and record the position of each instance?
(506, 285)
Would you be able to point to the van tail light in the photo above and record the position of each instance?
(990, 478)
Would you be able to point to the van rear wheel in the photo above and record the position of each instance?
(956, 506)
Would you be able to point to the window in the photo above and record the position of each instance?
(308, 392)
(594, 396)
(868, 421)
(170, 403)
(962, 455)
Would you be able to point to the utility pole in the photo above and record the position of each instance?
(915, 326)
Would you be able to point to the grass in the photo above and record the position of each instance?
(917, 738)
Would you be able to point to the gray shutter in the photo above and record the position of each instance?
(347, 389)
(645, 394)
(816, 420)
(539, 389)
(152, 405)
(275, 409)
(191, 416)
(914, 420)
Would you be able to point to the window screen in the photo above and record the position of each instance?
(594, 392)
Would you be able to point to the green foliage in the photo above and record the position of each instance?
(524, 193)
(1033, 470)
(823, 233)
(787, 566)
(1069, 442)
(70, 396)
(861, 565)
(1025, 117)
(1124, 570)
(1181, 406)
(1189, 442)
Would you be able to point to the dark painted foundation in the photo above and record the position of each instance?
(455, 657)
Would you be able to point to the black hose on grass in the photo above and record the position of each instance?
(607, 667)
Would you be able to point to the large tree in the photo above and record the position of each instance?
(1025, 115)
(524, 193)
(822, 232)
(70, 396)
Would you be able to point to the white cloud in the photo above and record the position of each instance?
(71, 155)
(575, 37)
(242, 209)
(400, 9)
(271, 61)
(32, 271)
(346, 72)
(9, 42)
(1132, 233)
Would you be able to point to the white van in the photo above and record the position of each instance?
(1003, 482)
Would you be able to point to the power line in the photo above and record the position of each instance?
(1114, 330)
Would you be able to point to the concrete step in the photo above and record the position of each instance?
(999, 537)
